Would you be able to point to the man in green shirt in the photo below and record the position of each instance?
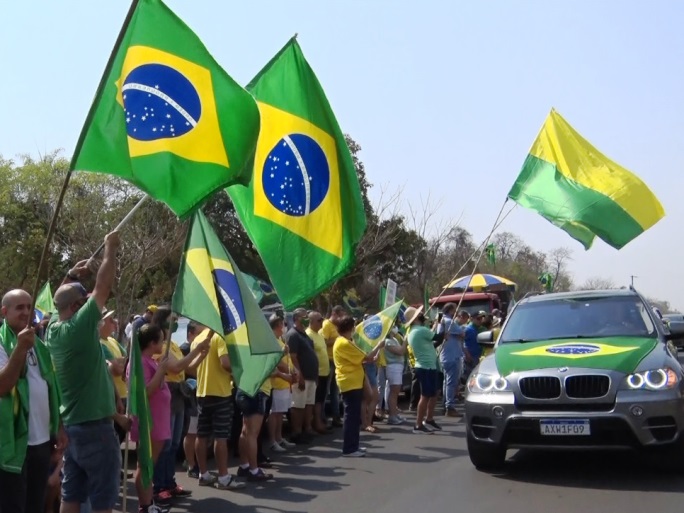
(93, 457)
(422, 342)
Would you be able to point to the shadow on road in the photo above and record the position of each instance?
(628, 471)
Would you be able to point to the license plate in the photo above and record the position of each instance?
(565, 427)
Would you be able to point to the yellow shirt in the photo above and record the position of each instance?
(178, 355)
(321, 352)
(348, 364)
(114, 349)
(280, 383)
(411, 356)
(212, 379)
(329, 330)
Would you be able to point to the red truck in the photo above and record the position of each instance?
(474, 302)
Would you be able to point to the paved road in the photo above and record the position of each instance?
(432, 473)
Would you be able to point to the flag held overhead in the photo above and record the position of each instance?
(574, 186)
(166, 117)
(303, 208)
(374, 330)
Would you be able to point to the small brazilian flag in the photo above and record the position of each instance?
(139, 408)
(303, 207)
(212, 291)
(166, 117)
(490, 251)
(44, 303)
(546, 279)
(374, 330)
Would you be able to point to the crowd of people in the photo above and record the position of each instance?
(64, 387)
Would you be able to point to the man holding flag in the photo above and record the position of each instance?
(92, 461)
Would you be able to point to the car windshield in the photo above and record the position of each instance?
(592, 317)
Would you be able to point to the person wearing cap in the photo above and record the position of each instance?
(143, 319)
(423, 341)
(92, 460)
(29, 409)
(305, 361)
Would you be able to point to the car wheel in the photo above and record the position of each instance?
(484, 455)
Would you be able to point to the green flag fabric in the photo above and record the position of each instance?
(44, 303)
(166, 117)
(212, 291)
(303, 208)
(383, 295)
(374, 330)
(546, 279)
(490, 252)
(139, 407)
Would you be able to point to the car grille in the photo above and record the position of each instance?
(587, 386)
(565, 407)
(540, 387)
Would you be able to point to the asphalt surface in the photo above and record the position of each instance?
(404, 472)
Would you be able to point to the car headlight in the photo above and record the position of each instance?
(657, 379)
(481, 383)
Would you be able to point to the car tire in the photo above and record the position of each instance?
(485, 456)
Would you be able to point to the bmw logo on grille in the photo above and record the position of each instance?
(573, 349)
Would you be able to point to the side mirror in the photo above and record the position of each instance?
(486, 338)
(676, 330)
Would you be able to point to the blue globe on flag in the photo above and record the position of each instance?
(372, 327)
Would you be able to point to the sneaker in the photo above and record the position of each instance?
(422, 430)
(432, 424)
(163, 496)
(286, 444)
(207, 481)
(278, 448)
(193, 472)
(363, 449)
(259, 476)
(179, 491)
(232, 484)
(355, 454)
(153, 508)
(243, 472)
(264, 462)
(394, 421)
(451, 412)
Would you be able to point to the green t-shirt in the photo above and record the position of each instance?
(87, 391)
(420, 339)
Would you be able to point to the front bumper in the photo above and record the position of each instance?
(499, 419)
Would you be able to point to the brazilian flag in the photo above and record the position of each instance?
(303, 208)
(44, 303)
(166, 117)
(139, 407)
(374, 330)
(212, 291)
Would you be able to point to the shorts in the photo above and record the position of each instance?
(92, 465)
(306, 397)
(395, 374)
(192, 425)
(215, 417)
(321, 389)
(250, 406)
(282, 399)
(371, 373)
(428, 382)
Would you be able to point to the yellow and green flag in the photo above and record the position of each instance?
(374, 330)
(303, 208)
(139, 407)
(212, 291)
(574, 186)
(166, 117)
(44, 303)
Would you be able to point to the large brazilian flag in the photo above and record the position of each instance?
(303, 208)
(574, 186)
(166, 117)
(212, 291)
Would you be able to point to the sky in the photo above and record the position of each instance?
(445, 98)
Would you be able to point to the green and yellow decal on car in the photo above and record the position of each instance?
(614, 353)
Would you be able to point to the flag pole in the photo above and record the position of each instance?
(65, 184)
(124, 480)
(480, 248)
(122, 223)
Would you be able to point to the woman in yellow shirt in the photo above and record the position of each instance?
(349, 360)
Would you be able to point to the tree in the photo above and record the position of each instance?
(598, 283)
(558, 261)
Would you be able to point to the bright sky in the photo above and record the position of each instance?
(445, 98)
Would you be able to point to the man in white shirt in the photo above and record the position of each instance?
(29, 409)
